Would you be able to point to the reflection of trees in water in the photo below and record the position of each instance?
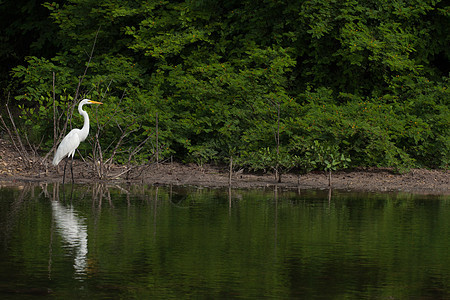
(13, 211)
(66, 201)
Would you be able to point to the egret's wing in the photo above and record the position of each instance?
(68, 146)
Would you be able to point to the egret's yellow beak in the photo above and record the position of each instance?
(94, 102)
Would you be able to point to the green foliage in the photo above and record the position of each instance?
(267, 159)
(366, 80)
(327, 157)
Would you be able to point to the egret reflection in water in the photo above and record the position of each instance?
(73, 230)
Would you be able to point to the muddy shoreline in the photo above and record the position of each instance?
(418, 181)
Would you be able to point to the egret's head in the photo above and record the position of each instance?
(87, 101)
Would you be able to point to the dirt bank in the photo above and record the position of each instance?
(12, 169)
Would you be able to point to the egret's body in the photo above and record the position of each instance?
(72, 140)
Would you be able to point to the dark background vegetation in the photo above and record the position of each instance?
(274, 84)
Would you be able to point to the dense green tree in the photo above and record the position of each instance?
(206, 80)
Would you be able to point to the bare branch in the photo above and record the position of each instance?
(138, 148)
(90, 56)
(15, 137)
(54, 110)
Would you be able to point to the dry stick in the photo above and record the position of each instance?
(132, 153)
(142, 168)
(278, 128)
(9, 132)
(107, 164)
(33, 149)
(157, 136)
(99, 167)
(20, 147)
(56, 139)
(231, 171)
(138, 148)
(278, 139)
(2, 125)
(128, 169)
(54, 119)
(101, 170)
(98, 149)
(19, 140)
(11, 136)
(91, 55)
(115, 112)
(109, 161)
(54, 110)
(119, 142)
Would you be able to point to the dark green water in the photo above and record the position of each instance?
(146, 242)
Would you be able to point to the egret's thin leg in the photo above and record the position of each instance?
(71, 193)
(64, 176)
(71, 168)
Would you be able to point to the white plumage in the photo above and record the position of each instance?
(73, 139)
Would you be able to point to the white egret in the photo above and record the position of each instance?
(73, 139)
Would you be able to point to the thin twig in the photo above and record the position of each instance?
(54, 110)
(19, 145)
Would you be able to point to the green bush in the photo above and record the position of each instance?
(204, 80)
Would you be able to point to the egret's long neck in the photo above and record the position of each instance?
(85, 129)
